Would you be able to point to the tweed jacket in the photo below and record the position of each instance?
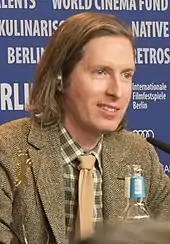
(35, 210)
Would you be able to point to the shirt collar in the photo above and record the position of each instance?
(70, 149)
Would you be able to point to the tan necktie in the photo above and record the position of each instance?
(84, 218)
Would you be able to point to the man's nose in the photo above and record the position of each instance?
(115, 87)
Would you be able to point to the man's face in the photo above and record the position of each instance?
(100, 86)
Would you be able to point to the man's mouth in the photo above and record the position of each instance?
(109, 108)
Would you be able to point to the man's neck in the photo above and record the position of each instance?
(86, 140)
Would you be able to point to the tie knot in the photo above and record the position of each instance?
(86, 162)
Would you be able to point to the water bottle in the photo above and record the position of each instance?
(135, 208)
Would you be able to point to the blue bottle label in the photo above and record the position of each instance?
(137, 187)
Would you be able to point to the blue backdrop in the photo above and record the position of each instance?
(26, 25)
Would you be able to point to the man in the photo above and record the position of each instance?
(79, 98)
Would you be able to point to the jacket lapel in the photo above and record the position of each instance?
(47, 166)
(114, 156)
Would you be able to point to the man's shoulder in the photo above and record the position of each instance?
(129, 143)
(134, 138)
(15, 129)
(132, 146)
(129, 138)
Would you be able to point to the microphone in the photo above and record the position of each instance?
(159, 144)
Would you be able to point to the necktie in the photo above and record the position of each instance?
(84, 218)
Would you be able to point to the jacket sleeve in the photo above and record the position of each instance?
(6, 200)
(158, 199)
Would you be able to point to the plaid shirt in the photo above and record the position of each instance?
(70, 151)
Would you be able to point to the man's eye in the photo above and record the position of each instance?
(100, 72)
(128, 75)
